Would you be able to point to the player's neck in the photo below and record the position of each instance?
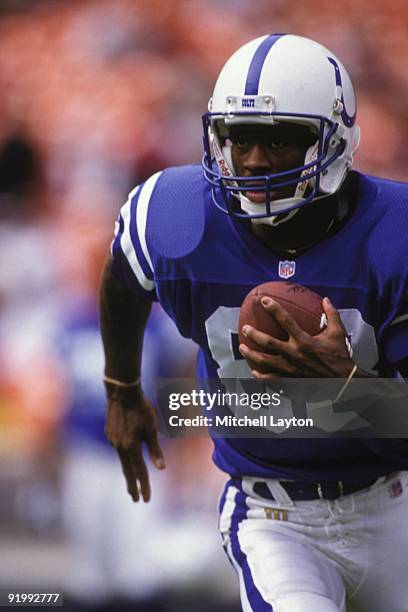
(310, 225)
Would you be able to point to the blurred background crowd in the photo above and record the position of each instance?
(95, 96)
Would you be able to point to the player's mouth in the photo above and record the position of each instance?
(258, 197)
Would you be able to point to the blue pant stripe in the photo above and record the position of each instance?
(223, 497)
(258, 604)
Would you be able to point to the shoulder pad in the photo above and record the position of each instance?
(176, 213)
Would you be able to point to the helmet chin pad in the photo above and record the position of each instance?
(275, 220)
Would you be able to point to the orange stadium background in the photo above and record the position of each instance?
(95, 96)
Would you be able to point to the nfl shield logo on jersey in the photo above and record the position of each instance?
(287, 269)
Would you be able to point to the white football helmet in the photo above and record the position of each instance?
(275, 79)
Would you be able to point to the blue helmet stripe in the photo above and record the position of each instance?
(256, 65)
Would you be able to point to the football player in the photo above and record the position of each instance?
(309, 524)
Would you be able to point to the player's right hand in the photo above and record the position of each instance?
(131, 423)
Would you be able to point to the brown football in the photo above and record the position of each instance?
(304, 305)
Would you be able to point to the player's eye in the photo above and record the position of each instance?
(277, 143)
(241, 143)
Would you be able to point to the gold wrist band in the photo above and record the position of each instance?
(346, 384)
(119, 383)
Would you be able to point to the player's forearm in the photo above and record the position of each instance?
(123, 318)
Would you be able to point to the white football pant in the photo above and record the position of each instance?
(350, 554)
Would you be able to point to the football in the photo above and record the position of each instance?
(304, 305)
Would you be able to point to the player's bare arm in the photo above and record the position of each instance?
(131, 420)
(320, 356)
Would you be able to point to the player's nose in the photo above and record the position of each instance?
(258, 161)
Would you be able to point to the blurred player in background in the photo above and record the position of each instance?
(311, 524)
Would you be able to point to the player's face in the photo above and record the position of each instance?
(266, 150)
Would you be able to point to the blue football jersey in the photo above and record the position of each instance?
(173, 245)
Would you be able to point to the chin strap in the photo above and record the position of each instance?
(276, 220)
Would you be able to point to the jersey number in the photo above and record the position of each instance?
(222, 335)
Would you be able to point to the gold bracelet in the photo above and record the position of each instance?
(119, 383)
(346, 384)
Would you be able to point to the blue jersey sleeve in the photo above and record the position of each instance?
(396, 333)
(132, 264)
(389, 255)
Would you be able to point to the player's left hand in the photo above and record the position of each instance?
(302, 355)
